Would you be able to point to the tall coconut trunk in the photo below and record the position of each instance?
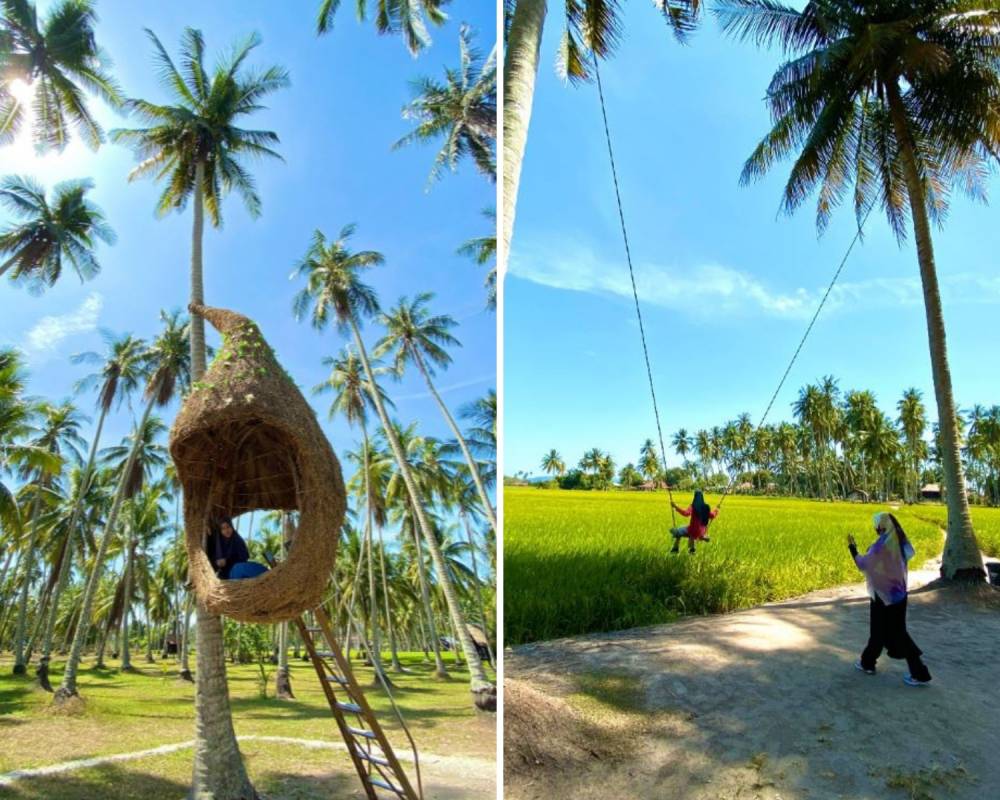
(68, 687)
(66, 568)
(395, 664)
(479, 586)
(484, 498)
(440, 670)
(126, 650)
(282, 678)
(376, 639)
(520, 70)
(185, 651)
(20, 630)
(483, 691)
(962, 559)
(218, 772)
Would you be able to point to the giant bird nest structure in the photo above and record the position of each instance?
(246, 439)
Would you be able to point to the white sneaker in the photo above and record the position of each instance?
(909, 680)
(859, 668)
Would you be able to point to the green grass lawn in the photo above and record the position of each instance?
(576, 562)
(130, 712)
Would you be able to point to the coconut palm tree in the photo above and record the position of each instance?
(913, 422)
(118, 378)
(168, 368)
(198, 144)
(403, 17)
(900, 100)
(59, 436)
(553, 464)
(334, 290)
(353, 399)
(591, 30)
(682, 444)
(462, 109)
(483, 250)
(58, 57)
(51, 233)
(649, 462)
(481, 436)
(18, 455)
(414, 336)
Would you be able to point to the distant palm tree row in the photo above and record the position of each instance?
(840, 445)
(84, 559)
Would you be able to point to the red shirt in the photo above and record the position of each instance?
(695, 529)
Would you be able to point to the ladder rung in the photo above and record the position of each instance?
(373, 758)
(314, 630)
(360, 732)
(337, 679)
(354, 708)
(384, 785)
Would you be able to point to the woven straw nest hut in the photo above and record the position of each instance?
(246, 439)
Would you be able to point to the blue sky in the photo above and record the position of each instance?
(337, 123)
(727, 285)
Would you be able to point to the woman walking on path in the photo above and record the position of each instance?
(884, 566)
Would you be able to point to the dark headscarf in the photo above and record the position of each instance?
(700, 507)
(233, 548)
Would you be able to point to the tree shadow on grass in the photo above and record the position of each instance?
(107, 782)
(343, 783)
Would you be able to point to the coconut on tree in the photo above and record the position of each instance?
(895, 104)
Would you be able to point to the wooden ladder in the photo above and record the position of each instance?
(379, 769)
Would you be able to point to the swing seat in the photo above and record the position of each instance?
(246, 439)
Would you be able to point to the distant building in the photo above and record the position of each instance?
(931, 491)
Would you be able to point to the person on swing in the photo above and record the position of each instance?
(884, 566)
(229, 554)
(700, 514)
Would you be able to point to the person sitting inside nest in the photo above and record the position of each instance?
(229, 554)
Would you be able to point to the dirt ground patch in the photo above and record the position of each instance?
(762, 704)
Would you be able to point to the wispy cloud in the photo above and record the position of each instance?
(723, 289)
(451, 387)
(49, 332)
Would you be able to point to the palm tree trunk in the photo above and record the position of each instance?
(482, 689)
(962, 559)
(65, 567)
(479, 586)
(68, 687)
(219, 772)
(520, 69)
(469, 460)
(185, 650)
(395, 665)
(440, 670)
(282, 678)
(20, 667)
(126, 651)
(376, 640)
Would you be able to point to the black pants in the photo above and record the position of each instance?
(888, 632)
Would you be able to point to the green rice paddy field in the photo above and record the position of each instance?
(577, 562)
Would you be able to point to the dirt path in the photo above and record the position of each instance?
(762, 703)
(443, 776)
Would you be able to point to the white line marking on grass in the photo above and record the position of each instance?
(8, 778)
(449, 762)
